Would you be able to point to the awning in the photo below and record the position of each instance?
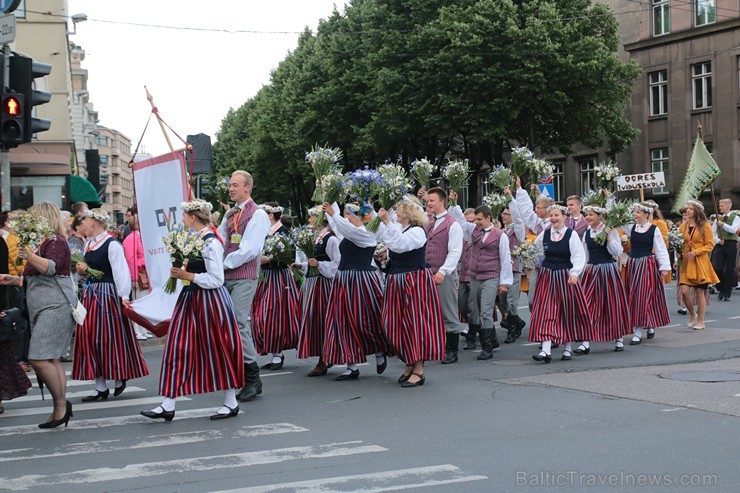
(81, 190)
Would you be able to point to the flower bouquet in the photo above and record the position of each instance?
(528, 255)
(606, 179)
(595, 198)
(360, 186)
(391, 188)
(280, 248)
(183, 245)
(618, 216)
(304, 238)
(220, 188)
(422, 171)
(90, 273)
(456, 173)
(521, 158)
(497, 202)
(675, 241)
(539, 168)
(501, 177)
(323, 161)
(31, 230)
(332, 189)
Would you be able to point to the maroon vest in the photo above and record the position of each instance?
(248, 270)
(465, 261)
(437, 241)
(513, 243)
(485, 263)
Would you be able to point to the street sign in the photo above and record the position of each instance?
(547, 190)
(8, 6)
(642, 180)
(7, 29)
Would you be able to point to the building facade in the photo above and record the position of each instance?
(84, 116)
(115, 175)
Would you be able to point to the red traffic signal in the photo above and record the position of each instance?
(11, 121)
(11, 106)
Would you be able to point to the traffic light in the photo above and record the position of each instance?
(23, 71)
(11, 120)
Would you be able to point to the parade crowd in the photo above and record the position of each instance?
(425, 276)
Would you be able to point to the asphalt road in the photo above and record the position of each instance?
(601, 422)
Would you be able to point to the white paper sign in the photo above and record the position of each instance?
(642, 180)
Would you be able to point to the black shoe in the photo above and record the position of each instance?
(519, 325)
(505, 323)
(58, 422)
(277, 366)
(635, 341)
(250, 391)
(683, 311)
(232, 412)
(582, 350)
(470, 344)
(404, 377)
(510, 337)
(418, 383)
(119, 390)
(619, 349)
(650, 333)
(99, 395)
(352, 375)
(166, 415)
(726, 298)
(319, 371)
(555, 345)
(381, 368)
(542, 357)
(566, 356)
(486, 341)
(721, 297)
(450, 358)
(484, 355)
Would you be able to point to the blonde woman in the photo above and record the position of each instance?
(106, 346)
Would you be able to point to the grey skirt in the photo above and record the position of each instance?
(52, 324)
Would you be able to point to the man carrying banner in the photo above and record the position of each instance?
(244, 229)
(726, 229)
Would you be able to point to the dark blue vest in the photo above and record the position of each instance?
(557, 253)
(597, 254)
(354, 257)
(641, 244)
(98, 259)
(199, 266)
(320, 253)
(407, 261)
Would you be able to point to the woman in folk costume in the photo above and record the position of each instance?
(106, 347)
(275, 307)
(315, 292)
(353, 323)
(560, 313)
(412, 315)
(203, 352)
(647, 266)
(659, 221)
(602, 284)
(696, 267)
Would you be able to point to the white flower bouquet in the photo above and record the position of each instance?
(422, 171)
(456, 173)
(32, 230)
(391, 188)
(183, 245)
(528, 255)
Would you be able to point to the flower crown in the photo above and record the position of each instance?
(412, 201)
(595, 209)
(652, 203)
(355, 208)
(643, 208)
(98, 216)
(196, 205)
(272, 210)
(380, 248)
(558, 207)
(695, 203)
(314, 211)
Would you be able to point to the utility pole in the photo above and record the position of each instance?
(5, 152)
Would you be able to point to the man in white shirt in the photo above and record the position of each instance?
(244, 228)
(725, 229)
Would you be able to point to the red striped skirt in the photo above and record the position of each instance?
(645, 293)
(203, 352)
(353, 324)
(275, 312)
(412, 316)
(105, 344)
(314, 299)
(607, 302)
(559, 312)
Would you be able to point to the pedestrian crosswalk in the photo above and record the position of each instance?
(109, 447)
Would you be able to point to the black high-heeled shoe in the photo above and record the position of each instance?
(418, 383)
(58, 422)
(98, 395)
(166, 415)
(119, 390)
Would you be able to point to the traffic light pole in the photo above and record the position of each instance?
(5, 153)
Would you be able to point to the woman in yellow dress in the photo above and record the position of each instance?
(696, 266)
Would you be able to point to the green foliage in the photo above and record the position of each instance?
(443, 79)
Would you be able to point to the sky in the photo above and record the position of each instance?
(193, 76)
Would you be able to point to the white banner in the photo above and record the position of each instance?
(643, 180)
(161, 185)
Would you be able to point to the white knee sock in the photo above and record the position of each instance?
(168, 404)
(586, 344)
(230, 398)
(379, 358)
(100, 384)
(276, 357)
(546, 345)
(638, 332)
(567, 347)
(350, 368)
(619, 342)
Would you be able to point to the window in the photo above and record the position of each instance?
(557, 181)
(706, 12)
(103, 178)
(659, 162)
(661, 17)
(103, 160)
(658, 92)
(701, 77)
(101, 141)
(588, 174)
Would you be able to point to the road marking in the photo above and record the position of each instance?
(674, 325)
(673, 409)
(88, 406)
(707, 321)
(373, 482)
(734, 318)
(168, 440)
(531, 344)
(274, 374)
(179, 466)
(70, 395)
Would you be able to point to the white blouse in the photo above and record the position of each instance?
(117, 259)
(213, 256)
(659, 247)
(577, 255)
(613, 243)
(345, 229)
(525, 211)
(400, 240)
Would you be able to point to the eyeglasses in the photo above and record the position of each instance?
(505, 214)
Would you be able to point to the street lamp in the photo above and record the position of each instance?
(75, 19)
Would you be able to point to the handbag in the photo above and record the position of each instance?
(11, 324)
(79, 312)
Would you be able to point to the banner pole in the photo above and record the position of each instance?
(150, 98)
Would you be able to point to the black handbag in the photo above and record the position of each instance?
(12, 324)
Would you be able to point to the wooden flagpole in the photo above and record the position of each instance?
(150, 98)
(711, 185)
